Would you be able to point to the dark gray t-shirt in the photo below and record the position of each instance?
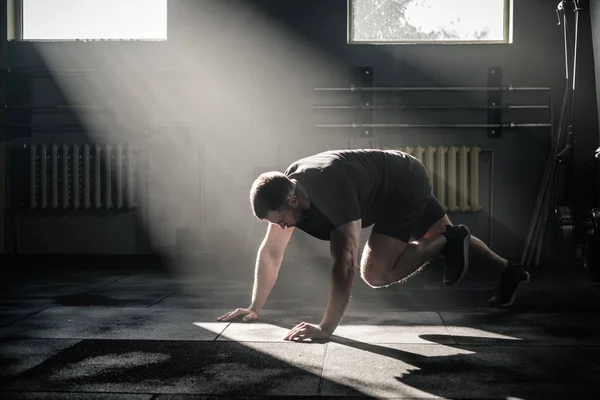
(347, 185)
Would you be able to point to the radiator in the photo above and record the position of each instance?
(84, 177)
(454, 173)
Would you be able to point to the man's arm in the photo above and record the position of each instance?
(345, 241)
(268, 261)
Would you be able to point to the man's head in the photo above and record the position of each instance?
(273, 197)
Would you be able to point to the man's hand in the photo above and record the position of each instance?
(305, 331)
(249, 315)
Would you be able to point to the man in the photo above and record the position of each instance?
(332, 196)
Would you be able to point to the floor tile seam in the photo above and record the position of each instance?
(28, 297)
(138, 339)
(115, 281)
(131, 339)
(516, 313)
(477, 289)
(191, 394)
(322, 374)
(472, 310)
(162, 298)
(528, 344)
(119, 308)
(40, 339)
(152, 395)
(32, 285)
(78, 289)
(478, 310)
(307, 310)
(27, 316)
(446, 327)
(140, 287)
(78, 292)
(479, 344)
(360, 292)
(228, 324)
(62, 285)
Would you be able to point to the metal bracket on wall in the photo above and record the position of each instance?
(494, 98)
(364, 77)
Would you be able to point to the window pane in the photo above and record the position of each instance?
(94, 19)
(428, 20)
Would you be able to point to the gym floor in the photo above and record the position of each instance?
(131, 334)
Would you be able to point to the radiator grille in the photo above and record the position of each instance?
(454, 172)
(84, 177)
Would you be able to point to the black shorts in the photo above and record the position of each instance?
(412, 211)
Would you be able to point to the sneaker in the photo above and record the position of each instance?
(512, 279)
(456, 253)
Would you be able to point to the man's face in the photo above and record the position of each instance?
(288, 216)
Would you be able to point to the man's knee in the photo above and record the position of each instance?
(379, 274)
(373, 277)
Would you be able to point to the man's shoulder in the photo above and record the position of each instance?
(310, 165)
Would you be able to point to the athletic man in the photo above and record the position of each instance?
(332, 196)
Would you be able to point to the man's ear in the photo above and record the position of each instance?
(294, 200)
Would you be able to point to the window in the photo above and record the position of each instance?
(429, 21)
(94, 20)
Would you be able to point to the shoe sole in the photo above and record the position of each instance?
(514, 296)
(466, 245)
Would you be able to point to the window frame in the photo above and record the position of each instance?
(508, 31)
(16, 24)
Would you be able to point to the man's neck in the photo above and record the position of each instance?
(300, 192)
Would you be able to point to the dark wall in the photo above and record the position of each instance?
(595, 23)
(248, 69)
(585, 118)
(3, 143)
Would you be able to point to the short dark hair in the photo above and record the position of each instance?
(269, 193)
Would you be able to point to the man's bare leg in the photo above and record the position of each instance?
(406, 259)
(418, 252)
(481, 254)
(386, 260)
(512, 276)
(414, 256)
